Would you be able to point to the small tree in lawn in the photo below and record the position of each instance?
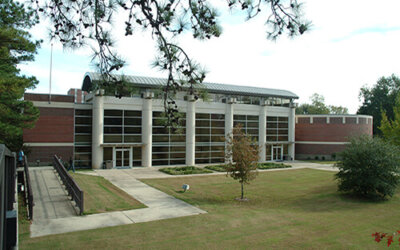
(241, 157)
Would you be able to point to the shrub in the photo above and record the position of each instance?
(184, 170)
(369, 167)
(271, 165)
(323, 158)
(218, 168)
(316, 158)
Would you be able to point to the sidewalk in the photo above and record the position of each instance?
(159, 206)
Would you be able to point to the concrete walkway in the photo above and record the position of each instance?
(50, 198)
(159, 206)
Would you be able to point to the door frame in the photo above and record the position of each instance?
(273, 156)
(123, 150)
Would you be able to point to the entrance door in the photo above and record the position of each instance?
(277, 153)
(122, 157)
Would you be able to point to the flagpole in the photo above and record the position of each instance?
(51, 65)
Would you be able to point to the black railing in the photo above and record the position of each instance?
(8, 205)
(72, 188)
(28, 189)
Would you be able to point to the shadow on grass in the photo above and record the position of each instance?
(326, 201)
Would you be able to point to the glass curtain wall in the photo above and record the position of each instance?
(122, 126)
(249, 124)
(83, 138)
(169, 144)
(277, 134)
(210, 138)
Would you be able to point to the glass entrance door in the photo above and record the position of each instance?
(277, 153)
(122, 157)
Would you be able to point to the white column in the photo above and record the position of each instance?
(292, 120)
(190, 131)
(262, 132)
(130, 157)
(228, 119)
(147, 124)
(97, 130)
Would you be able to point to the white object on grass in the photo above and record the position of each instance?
(185, 187)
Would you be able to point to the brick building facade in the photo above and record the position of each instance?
(323, 136)
(93, 129)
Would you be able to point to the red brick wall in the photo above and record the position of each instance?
(53, 125)
(45, 154)
(321, 131)
(318, 149)
(330, 132)
(45, 97)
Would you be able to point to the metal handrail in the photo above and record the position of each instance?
(72, 187)
(29, 194)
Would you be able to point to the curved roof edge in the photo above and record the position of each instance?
(153, 82)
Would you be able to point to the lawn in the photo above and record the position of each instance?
(100, 195)
(321, 162)
(286, 209)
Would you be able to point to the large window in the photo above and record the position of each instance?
(83, 138)
(277, 129)
(249, 124)
(169, 144)
(210, 138)
(122, 126)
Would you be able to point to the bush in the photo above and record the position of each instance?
(271, 165)
(218, 168)
(369, 168)
(184, 170)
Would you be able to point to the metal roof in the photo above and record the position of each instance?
(152, 82)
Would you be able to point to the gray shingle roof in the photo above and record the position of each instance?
(228, 89)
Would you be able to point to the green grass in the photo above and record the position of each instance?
(296, 209)
(184, 170)
(272, 165)
(100, 195)
(267, 165)
(23, 222)
(218, 168)
(321, 162)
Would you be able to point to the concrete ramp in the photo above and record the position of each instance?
(50, 197)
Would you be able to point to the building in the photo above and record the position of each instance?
(129, 131)
(323, 136)
(106, 131)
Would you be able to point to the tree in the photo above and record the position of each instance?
(369, 168)
(76, 23)
(378, 98)
(318, 107)
(241, 157)
(391, 128)
(15, 47)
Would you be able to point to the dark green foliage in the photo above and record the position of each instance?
(272, 165)
(15, 47)
(369, 168)
(380, 98)
(218, 168)
(184, 170)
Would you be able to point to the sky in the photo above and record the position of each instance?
(351, 44)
